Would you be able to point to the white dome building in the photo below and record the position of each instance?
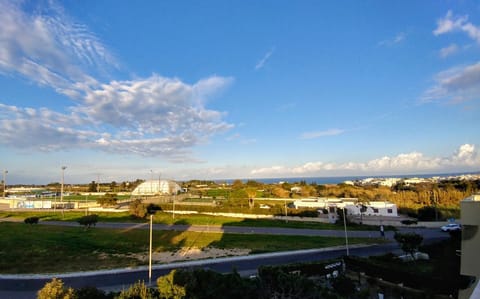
(153, 187)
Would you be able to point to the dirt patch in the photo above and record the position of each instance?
(187, 254)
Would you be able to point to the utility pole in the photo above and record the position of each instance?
(150, 253)
(61, 189)
(345, 226)
(4, 181)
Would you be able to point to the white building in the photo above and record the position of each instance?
(374, 208)
(155, 187)
(352, 206)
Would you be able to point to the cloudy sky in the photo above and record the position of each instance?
(237, 89)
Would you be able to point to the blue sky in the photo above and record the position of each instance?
(237, 89)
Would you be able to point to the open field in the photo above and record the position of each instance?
(192, 219)
(53, 249)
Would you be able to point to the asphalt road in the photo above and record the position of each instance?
(26, 286)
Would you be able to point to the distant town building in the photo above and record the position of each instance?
(296, 189)
(157, 187)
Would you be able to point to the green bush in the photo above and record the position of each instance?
(31, 220)
(138, 291)
(409, 222)
(88, 221)
(138, 209)
(55, 290)
(108, 200)
(91, 293)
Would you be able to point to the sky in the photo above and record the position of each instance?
(116, 90)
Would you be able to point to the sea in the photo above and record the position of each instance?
(341, 179)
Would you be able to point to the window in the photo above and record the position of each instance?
(389, 211)
(375, 210)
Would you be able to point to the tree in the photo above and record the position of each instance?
(251, 193)
(237, 184)
(167, 287)
(138, 291)
(409, 242)
(109, 199)
(91, 293)
(92, 187)
(55, 290)
(113, 185)
(138, 209)
(280, 192)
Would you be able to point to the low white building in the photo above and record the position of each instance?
(352, 206)
(153, 187)
(374, 208)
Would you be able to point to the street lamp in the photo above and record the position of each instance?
(345, 226)
(150, 253)
(4, 181)
(61, 190)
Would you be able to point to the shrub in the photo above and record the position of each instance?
(55, 290)
(138, 290)
(91, 293)
(409, 242)
(88, 221)
(108, 200)
(409, 222)
(31, 220)
(138, 209)
(343, 286)
(167, 287)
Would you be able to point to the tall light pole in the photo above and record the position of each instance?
(345, 226)
(150, 253)
(151, 181)
(4, 181)
(61, 189)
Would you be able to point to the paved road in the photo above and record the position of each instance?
(426, 232)
(25, 286)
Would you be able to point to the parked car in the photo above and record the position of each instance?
(451, 227)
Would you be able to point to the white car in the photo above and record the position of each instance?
(451, 227)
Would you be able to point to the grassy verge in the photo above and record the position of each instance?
(193, 219)
(51, 249)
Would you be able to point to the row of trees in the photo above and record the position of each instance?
(207, 284)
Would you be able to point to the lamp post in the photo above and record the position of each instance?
(151, 182)
(345, 226)
(150, 253)
(4, 181)
(61, 189)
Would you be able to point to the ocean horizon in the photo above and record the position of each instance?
(340, 179)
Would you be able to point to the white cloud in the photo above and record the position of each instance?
(448, 51)
(47, 47)
(149, 117)
(400, 37)
(146, 116)
(261, 63)
(318, 134)
(451, 23)
(456, 85)
(465, 158)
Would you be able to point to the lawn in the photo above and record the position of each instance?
(53, 249)
(189, 219)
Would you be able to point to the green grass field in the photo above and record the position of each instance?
(53, 249)
(192, 219)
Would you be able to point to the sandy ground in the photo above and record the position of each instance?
(192, 253)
